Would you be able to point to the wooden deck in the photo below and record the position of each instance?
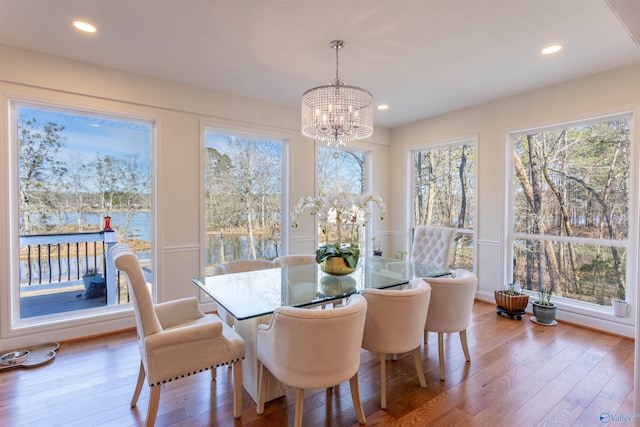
(58, 302)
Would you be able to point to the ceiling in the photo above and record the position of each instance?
(423, 58)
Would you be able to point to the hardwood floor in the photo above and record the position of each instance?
(520, 374)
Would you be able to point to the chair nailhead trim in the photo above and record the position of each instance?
(195, 372)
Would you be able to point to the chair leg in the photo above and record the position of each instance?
(262, 388)
(154, 401)
(383, 381)
(237, 389)
(417, 359)
(441, 354)
(465, 347)
(355, 396)
(297, 419)
(214, 373)
(136, 393)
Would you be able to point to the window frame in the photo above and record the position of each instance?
(570, 305)
(368, 178)
(466, 140)
(10, 303)
(251, 132)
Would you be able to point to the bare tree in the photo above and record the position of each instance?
(39, 169)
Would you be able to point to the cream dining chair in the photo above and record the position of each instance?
(301, 283)
(291, 260)
(239, 266)
(176, 339)
(432, 245)
(450, 309)
(313, 349)
(395, 324)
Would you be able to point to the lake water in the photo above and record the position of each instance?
(139, 224)
(234, 247)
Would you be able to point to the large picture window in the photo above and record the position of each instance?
(243, 197)
(570, 210)
(78, 173)
(444, 195)
(342, 171)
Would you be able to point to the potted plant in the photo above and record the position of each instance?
(399, 255)
(511, 301)
(544, 311)
(377, 250)
(88, 275)
(340, 217)
(620, 306)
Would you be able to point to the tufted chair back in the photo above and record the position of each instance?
(432, 245)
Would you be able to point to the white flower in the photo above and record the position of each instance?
(340, 216)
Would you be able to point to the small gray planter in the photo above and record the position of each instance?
(544, 314)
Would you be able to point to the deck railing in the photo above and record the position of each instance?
(58, 258)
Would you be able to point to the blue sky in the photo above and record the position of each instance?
(92, 135)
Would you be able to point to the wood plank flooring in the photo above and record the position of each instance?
(520, 374)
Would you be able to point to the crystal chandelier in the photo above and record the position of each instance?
(337, 113)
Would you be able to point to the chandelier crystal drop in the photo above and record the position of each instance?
(337, 113)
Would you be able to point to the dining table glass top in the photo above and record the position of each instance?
(256, 293)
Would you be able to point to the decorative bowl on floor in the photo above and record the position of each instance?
(14, 358)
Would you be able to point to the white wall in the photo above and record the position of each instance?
(180, 111)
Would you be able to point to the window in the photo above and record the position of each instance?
(342, 171)
(570, 209)
(243, 197)
(444, 195)
(77, 173)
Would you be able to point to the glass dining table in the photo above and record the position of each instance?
(251, 297)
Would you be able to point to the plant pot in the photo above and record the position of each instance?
(336, 266)
(544, 314)
(620, 308)
(515, 303)
(87, 280)
(377, 253)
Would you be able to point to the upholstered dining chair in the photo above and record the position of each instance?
(290, 260)
(239, 266)
(243, 265)
(313, 349)
(176, 339)
(450, 309)
(395, 324)
(432, 245)
(301, 283)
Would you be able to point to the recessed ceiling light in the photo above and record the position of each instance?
(84, 26)
(383, 107)
(551, 49)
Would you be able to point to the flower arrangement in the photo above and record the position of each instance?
(340, 217)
